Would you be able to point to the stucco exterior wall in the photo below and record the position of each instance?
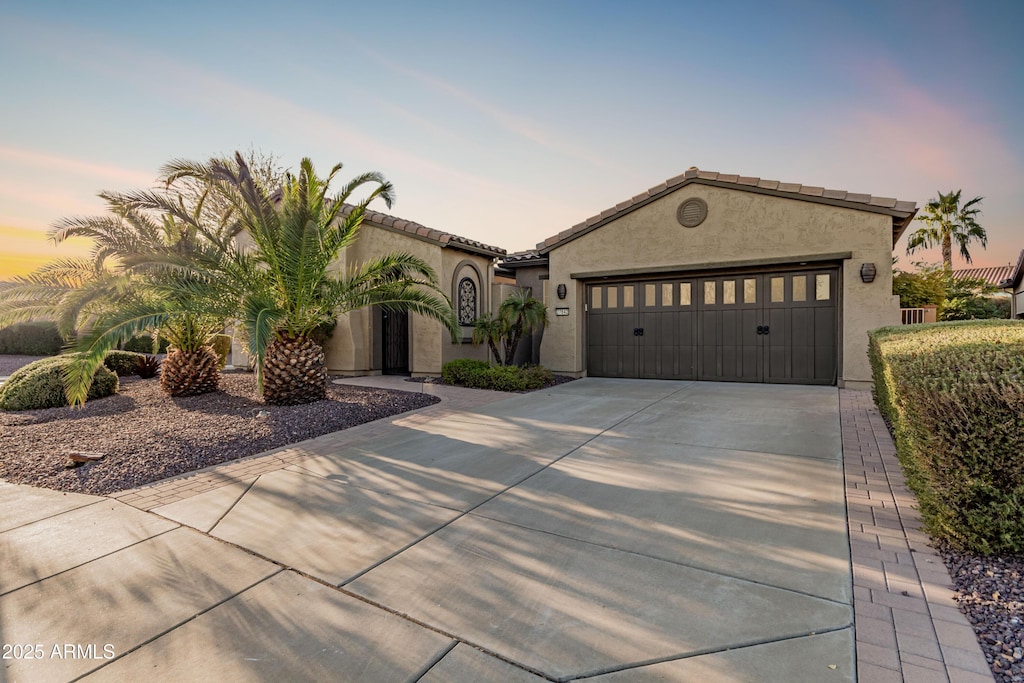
(352, 349)
(456, 265)
(740, 226)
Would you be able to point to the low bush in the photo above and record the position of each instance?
(221, 343)
(462, 370)
(143, 343)
(31, 339)
(479, 375)
(41, 385)
(954, 395)
(124, 363)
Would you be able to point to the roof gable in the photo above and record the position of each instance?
(902, 212)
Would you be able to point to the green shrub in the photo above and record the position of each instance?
(478, 374)
(462, 370)
(41, 385)
(221, 343)
(124, 363)
(143, 343)
(954, 395)
(31, 339)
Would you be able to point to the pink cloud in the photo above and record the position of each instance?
(938, 139)
(66, 165)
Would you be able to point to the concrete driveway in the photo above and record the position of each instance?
(605, 529)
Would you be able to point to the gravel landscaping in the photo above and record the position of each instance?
(990, 591)
(147, 436)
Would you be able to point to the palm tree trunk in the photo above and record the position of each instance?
(947, 252)
(294, 371)
(494, 350)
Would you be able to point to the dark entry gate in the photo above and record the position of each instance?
(395, 337)
(745, 327)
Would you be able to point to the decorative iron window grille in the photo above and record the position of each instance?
(467, 301)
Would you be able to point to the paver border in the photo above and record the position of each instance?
(908, 626)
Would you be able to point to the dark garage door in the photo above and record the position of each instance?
(760, 327)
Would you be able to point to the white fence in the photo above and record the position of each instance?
(913, 316)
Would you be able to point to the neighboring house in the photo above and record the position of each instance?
(720, 277)
(373, 341)
(994, 276)
(1014, 284)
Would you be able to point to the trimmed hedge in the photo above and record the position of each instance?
(41, 385)
(954, 395)
(124, 363)
(477, 374)
(31, 339)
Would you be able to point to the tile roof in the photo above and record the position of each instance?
(522, 258)
(422, 232)
(901, 211)
(993, 276)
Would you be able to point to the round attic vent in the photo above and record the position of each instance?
(692, 212)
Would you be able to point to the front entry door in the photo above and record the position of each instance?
(395, 337)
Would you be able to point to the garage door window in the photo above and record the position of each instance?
(750, 291)
(709, 292)
(729, 292)
(821, 287)
(799, 288)
(778, 289)
(684, 294)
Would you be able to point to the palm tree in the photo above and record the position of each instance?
(946, 221)
(520, 314)
(523, 314)
(284, 284)
(122, 288)
(490, 329)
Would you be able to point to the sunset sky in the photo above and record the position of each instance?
(509, 123)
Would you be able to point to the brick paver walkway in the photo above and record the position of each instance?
(908, 627)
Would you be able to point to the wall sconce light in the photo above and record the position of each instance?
(561, 291)
(867, 272)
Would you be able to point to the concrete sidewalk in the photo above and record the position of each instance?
(603, 529)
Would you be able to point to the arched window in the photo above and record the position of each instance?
(467, 301)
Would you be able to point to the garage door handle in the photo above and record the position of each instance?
(762, 329)
(638, 331)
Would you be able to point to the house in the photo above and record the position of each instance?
(993, 276)
(373, 341)
(722, 277)
(1014, 284)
